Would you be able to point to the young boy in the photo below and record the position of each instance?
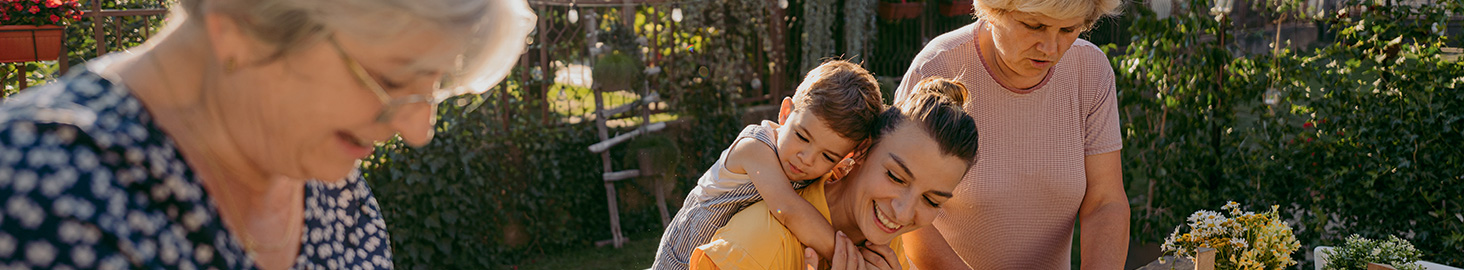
(831, 115)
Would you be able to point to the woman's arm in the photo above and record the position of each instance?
(1104, 214)
(927, 249)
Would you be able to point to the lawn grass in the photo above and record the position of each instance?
(636, 254)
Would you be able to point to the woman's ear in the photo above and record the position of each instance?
(229, 43)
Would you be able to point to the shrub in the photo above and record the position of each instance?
(1358, 252)
(1355, 137)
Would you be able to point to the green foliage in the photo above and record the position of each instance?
(50, 12)
(1362, 137)
(492, 185)
(1358, 251)
(505, 181)
(617, 71)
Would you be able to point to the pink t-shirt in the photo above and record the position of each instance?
(1016, 207)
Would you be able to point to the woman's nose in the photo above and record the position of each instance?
(905, 210)
(1048, 44)
(416, 123)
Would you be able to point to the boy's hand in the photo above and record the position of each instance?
(847, 256)
(880, 257)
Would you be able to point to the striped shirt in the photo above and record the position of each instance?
(718, 195)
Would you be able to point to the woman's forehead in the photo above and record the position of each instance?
(1033, 17)
(912, 151)
(421, 50)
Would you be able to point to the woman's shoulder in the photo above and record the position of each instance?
(1089, 57)
(753, 235)
(344, 226)
(960, 43)
(96, 110)
(80, 165)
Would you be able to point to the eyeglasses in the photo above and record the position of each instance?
(389, 106)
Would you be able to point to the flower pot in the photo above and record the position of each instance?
(26, 43)
(900, 11)
(957, 8)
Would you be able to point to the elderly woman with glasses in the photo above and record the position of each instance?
(230, 141)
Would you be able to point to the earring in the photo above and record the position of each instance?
(842, 169)
(230, 65)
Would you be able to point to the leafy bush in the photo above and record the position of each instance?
(1358, 136)
(502, 184)
(1358, 252)
(488, 188)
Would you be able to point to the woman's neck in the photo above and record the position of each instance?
(842, 210)
(178, 86)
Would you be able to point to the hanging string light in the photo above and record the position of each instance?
(676, 14)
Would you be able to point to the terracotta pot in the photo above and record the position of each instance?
(957, 8)
(900, 11)
(25, 43)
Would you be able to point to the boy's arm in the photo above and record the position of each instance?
(762, 165)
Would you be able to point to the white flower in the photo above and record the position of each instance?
(1238, 242)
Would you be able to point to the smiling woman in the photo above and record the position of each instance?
(919, 154)
(231, 140)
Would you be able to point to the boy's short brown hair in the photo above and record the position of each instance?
(844, 95)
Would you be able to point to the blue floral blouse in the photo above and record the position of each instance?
(87, 181)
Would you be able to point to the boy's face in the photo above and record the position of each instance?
(808, 148)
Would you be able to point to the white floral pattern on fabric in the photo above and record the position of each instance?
(344, 228)
(87, 181)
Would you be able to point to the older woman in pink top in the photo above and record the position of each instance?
(1044, 102)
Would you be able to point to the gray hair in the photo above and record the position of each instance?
(1090, 10)
(494, 30)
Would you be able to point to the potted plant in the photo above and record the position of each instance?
(953, 8)
(31, 30)
(895, 10)
(1239, 240)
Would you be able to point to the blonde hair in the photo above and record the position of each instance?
(1090, 10)
(494, 31)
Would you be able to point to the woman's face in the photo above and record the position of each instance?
(898, 188)
(307, 116)
(1027, 44)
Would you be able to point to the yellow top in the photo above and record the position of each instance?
(754, 239)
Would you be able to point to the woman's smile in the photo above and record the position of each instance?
(886, 223)
(352, 146)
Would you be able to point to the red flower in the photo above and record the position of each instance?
(35, 9)
(53, 3)
(1308, 139)
(1306, 125)
(55, 19)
